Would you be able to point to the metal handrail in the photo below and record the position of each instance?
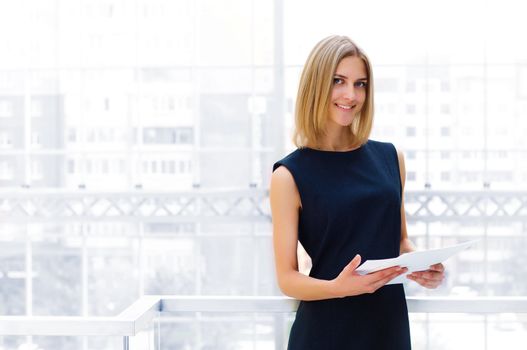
(24, 205)
(139, 316)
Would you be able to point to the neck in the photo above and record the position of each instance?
(336, 139)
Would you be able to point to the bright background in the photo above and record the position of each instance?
(120, 96)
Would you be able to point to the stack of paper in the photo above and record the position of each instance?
(414, 261)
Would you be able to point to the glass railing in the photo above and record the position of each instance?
(225, 322)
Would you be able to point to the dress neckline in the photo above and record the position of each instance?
(342, 152)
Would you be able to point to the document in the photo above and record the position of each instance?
(414, 261)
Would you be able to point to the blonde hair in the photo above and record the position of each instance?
(314, 92)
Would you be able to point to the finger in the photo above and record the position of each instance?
(354, 263)
(378, 284)
(429, 275)
(425, 282)
(427, 278)
(382, 274)
(428, 284)
(437, 267)
(387, 275)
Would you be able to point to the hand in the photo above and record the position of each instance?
(349, 282)
(430, 278)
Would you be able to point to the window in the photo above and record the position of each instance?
(184, 136)
(445, 109)
(36, 108)
(121, 166)
(445, 131)
(36, 142)
(88, 166)
(6, 109)
(6, 170)
(37, 171)
(386, 85)
(105, 167)
(5, 139)
(91, 135)
(410, 131)
(71, 166)
(71, 135)
(167, 136)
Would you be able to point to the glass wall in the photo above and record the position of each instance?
(120, 97)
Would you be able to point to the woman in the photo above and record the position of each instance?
(341, 196)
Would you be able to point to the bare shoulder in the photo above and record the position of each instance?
(400, 155)
(402, 166)
(283, 187)
(282, 174)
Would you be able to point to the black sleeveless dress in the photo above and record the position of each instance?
(351, 204)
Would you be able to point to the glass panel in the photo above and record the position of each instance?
(12, 271)
(55, 342)
(224, 330)
(57, 268)
(112, 271)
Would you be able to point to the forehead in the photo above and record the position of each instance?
(352, 67)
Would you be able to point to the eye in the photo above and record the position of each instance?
(361, 84)
(337, 81)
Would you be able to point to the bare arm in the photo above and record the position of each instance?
(432, 277)
(285, 207)
(406, 245)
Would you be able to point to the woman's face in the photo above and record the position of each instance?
(349, 90)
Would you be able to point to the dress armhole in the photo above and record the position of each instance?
(398, 170)
(295, 180)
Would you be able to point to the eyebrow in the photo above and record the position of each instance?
(345, 77)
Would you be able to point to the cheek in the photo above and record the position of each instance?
(334, 94)
(363, 98)
(363, 94)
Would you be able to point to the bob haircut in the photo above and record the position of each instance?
(314, 92)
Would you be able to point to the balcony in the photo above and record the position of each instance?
(138, 327)
(474, 303)
(27, 206)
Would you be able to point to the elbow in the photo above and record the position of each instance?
(284, 286)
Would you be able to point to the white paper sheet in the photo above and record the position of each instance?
(414, 261)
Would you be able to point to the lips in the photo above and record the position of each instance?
(345, 107)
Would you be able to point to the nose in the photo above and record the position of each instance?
(350, 92)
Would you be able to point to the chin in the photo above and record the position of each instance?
(344, 122)
(342, 119)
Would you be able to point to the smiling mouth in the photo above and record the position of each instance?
(346, 107)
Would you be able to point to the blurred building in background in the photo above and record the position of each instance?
(118, 97)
